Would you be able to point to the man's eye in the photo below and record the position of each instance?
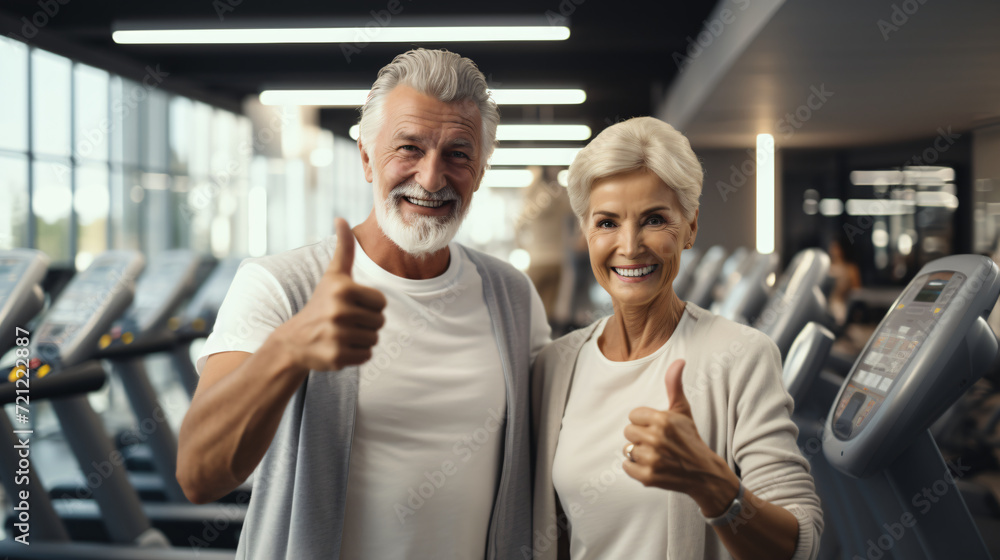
(408, 148)
(460, 155)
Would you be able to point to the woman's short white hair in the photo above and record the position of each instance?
(441, 74)
(638, 143)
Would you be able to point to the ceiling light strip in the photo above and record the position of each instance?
(356, 97)
(339, 35)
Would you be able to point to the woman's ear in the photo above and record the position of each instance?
(694, 230)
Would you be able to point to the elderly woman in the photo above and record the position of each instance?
(662, 431)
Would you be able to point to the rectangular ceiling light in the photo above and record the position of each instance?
(529, 132)
(533, 156)
(357, 97)
(517, 178)
(351, 35)
(538, 96)
(765, 194)
(544, 132)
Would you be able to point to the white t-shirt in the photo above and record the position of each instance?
(616, 516)
(426, 453)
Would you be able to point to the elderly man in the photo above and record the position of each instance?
(379, 378)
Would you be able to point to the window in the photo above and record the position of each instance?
(13, 95)
(14, 197)
(90, 102)
(51, 88)
(51, 205)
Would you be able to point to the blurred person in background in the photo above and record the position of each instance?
(846, 278)
(541, 231)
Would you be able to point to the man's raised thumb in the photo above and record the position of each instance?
(675, 388)
(343, 255)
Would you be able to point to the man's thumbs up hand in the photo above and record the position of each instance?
(343, 255)
(339, 325)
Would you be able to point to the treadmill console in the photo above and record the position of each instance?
(86, 307)
(21, 297)
(928, 350)
(168, 278)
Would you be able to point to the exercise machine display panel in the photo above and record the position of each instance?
(894, 344)
(167, 280)
(21, 272)
(925, 353)
(87, 306)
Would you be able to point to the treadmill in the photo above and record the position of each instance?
(151, 325)
(706, 276)
(68, 335)
(797, 300)
(751, 291)
(197, 319)
(169, 278)
(733, 268)
(685, 272)
(928, 350)
(60, 339)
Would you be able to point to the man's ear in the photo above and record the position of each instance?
(366, 163)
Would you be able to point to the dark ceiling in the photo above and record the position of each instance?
(619, 52)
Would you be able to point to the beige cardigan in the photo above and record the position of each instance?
(733, 381)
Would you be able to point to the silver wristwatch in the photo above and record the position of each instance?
(734, 510)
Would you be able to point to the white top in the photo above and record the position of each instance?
(587, 469)
(425, 458)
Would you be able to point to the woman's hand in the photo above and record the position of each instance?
(668, 453)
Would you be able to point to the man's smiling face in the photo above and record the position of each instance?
(425, 165)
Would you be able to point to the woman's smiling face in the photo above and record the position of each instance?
(636, 230)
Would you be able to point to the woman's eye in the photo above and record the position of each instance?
(605, 224)
(655, 221)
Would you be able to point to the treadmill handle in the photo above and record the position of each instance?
(79, 379)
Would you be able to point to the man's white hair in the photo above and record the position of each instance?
(441, 74)
(638, 143)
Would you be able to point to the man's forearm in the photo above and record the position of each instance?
(231, 424)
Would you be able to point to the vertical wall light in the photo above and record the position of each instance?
(765, 193)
